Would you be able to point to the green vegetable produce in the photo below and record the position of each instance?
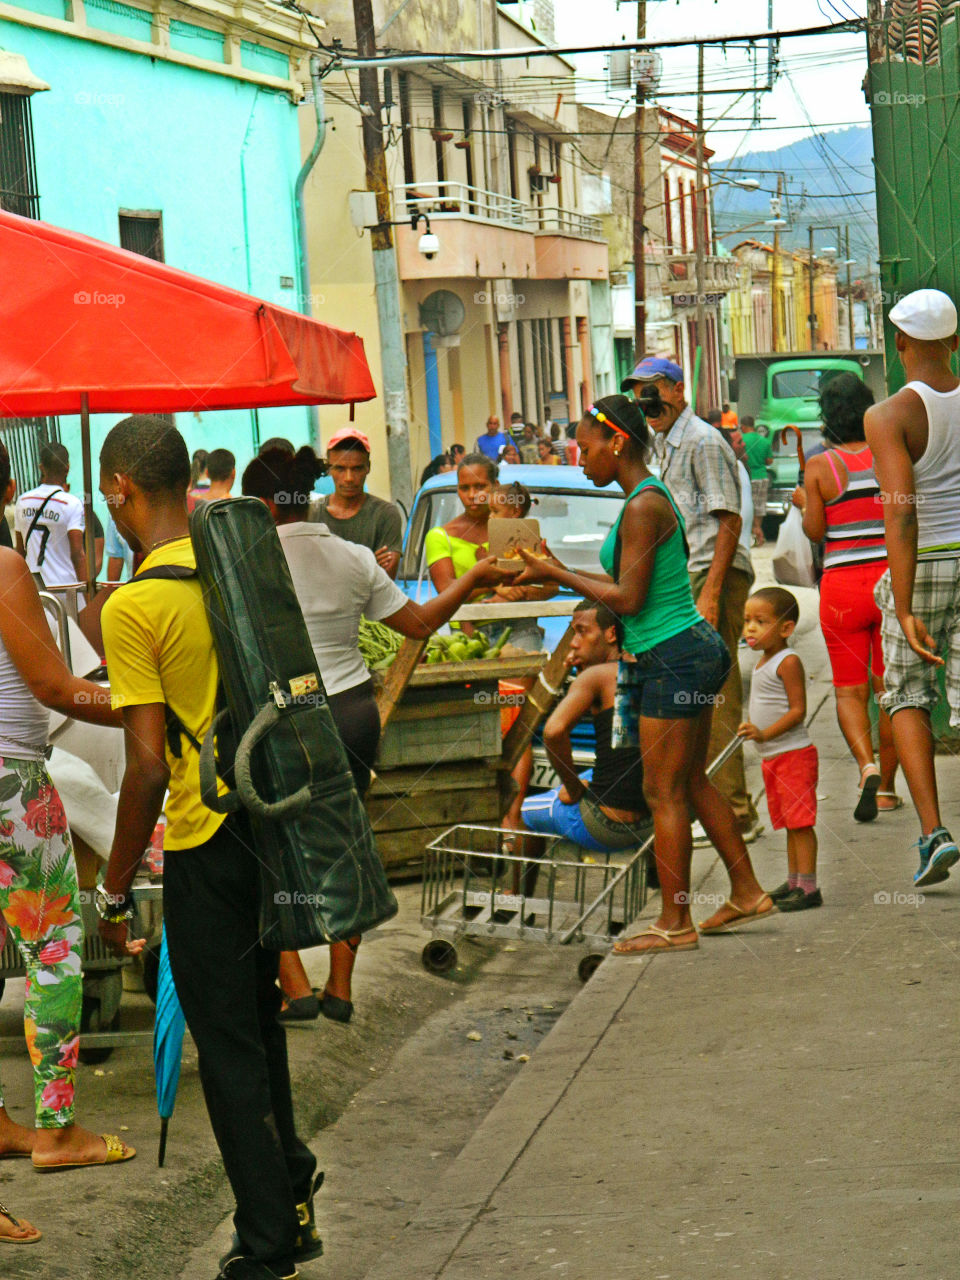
(378, 644)
(495, 651)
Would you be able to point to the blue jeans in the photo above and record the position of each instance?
(675, 680)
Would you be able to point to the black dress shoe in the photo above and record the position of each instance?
(797, 900)
(303, 1009)
(240, 1267)
(333, 1007)
(780, 892)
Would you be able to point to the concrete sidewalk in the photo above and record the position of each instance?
(779, 1104)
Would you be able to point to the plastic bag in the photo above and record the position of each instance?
(793, 554)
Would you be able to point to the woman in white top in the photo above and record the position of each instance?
(336, 582)
(39, 897)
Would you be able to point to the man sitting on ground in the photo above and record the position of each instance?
(601, 810)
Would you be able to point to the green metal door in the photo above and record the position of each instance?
(914, 88)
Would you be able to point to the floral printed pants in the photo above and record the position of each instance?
(40, 906)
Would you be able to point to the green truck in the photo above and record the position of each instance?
(784, 390)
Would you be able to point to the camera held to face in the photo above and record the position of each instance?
(649, 400)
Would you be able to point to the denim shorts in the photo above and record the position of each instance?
(675, 680)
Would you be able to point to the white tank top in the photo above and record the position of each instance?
(768, 702)
(24, 722)
(937, 475)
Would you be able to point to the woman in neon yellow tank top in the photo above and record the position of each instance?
(674, 665)
(452, 548)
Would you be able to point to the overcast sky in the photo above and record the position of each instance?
(821, 74)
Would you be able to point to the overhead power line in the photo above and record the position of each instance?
(345, 58)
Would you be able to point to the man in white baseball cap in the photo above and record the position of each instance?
(915, 439)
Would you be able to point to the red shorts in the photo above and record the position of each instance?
(790, 781)
(850, 621)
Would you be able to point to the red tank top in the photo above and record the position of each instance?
(855, 533)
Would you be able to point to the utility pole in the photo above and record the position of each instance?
(811, 318)
(876, 33)
(846, 253)
(386, 279)
(775, 274)
(700, 229)
(639, 210)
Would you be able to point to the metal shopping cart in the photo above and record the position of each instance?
(471, 888)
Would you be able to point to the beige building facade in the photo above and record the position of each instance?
(506, 316)
(675, 217)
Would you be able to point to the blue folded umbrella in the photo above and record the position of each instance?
(168, 1031)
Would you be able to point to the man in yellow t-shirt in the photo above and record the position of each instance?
(161, 660)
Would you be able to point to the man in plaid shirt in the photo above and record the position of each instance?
(700, 470)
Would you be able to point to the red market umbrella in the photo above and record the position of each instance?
(90, 328)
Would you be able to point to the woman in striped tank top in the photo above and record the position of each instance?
(842, 505)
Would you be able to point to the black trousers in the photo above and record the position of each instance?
(357, 719)
(226, 983)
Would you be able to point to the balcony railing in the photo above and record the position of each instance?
(562, 222)
(458, 200)
(678, 274)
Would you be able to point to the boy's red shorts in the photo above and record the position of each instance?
(790, 781)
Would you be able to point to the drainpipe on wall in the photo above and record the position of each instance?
(254, 417)
(303, 269)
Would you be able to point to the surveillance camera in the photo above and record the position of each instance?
(429, 245)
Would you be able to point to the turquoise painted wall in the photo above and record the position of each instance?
(219, 158)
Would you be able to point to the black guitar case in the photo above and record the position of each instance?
(274, 736)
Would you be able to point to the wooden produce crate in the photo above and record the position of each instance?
(440, 723)
(440, 754)
(409, 807)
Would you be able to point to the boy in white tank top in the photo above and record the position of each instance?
(778, 710)
(915, 439)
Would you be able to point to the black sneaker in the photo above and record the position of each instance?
(780, 892)
(797, 900)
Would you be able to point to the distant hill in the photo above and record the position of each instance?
(826, 176)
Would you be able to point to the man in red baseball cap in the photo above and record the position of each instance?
(349, 511)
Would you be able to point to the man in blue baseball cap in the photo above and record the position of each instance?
(651, 368)
(699, 468)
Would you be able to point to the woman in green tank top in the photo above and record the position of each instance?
(674, 667)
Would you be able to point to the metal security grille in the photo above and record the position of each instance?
(18, 170)
(18, 194)
(914, 86)
(24, 438)
(142, 233)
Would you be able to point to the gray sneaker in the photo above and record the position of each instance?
(938, 853)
